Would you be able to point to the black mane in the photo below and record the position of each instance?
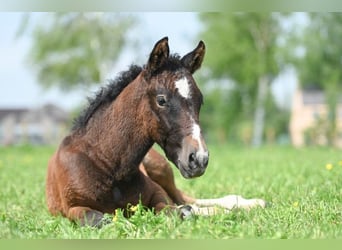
(109, 92)
(106, 95)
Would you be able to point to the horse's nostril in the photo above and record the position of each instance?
(192, 157)
(205, 161)
(198, 160)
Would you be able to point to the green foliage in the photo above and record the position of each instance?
(304, 188)
(242, 47)
(77, 49)
(220, 114)
(321, 64)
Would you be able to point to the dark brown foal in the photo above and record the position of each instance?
(95, 170)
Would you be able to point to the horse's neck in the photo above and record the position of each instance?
(118, 133)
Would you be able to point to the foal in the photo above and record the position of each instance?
(96, 168)
(106, 163)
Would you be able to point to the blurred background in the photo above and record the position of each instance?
(267, 78)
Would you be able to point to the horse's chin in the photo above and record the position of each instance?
(188, 173)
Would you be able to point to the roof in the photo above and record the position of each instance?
(32, 115)
(16, 112)
(315, 97)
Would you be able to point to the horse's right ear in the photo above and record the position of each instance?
(193, 60)
(158, 56)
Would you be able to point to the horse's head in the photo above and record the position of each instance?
(175, 101)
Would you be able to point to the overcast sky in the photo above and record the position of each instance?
(19, 87)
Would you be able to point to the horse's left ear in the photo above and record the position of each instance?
(193, 60)
(158, 56)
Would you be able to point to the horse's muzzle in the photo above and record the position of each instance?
(193, 158)
(198, 160)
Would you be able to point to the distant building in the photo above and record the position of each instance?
(44, 125)
(309, 116)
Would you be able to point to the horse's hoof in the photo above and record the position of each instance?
(186, 211)
(268, 204)
(93, 219)
(259, 203)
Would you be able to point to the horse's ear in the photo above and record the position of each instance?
(193, 60)
(158, 55)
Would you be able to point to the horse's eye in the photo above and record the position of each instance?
(161, 100)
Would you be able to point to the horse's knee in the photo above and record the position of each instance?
(86, 216)
(160, 171)
(157, 167)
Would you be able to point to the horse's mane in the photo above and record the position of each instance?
(108, 93)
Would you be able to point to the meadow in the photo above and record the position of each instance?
(302, 186)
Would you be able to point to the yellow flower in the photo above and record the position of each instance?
(295, 204)
(115, 218)
(329, 166)
(133, 208)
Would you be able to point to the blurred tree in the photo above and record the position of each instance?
(242, 47)
(321, 63)
(76, 49)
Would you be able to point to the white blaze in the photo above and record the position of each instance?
(196, 134)
(183, 87)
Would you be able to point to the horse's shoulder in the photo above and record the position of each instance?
(71, 149)
(66, 141)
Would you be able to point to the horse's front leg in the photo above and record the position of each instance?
(229, 202)
(159, 170)
(156, 167)
(160, 201)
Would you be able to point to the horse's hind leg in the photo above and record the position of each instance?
(160, 171)
(86, 216)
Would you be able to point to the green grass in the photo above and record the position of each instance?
(306, 197)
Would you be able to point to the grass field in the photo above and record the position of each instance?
(304, 187)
